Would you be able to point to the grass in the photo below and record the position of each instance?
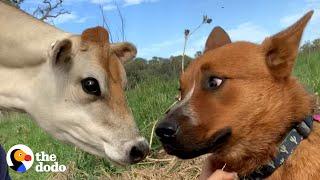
(307, 70)
(148, 101)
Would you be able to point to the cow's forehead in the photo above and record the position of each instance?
(95, 43)
(97, 35)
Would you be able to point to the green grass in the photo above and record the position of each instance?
(148, 101)
(307, 69)
(19, 129)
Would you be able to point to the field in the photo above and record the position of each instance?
(148, 98)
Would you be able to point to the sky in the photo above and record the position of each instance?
(156, 27)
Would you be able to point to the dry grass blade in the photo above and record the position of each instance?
(155, 123)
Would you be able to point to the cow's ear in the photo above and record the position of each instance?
(124, 51)
(217, 38)
(281, 49)
(61, 53)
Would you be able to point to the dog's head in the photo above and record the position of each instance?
(236, 95)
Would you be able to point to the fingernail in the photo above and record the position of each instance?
(236, 177)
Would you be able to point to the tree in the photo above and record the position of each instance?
(198, 54)
(48, 9)
(15, 3)
(310, 46)
(316, 44)
(122, 21)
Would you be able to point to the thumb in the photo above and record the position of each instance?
(222, 175)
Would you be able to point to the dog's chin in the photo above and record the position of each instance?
(189, 151)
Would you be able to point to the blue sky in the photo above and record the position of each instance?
(156, 26)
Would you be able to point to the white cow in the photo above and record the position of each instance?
(71, 85)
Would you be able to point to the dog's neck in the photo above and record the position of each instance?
(262, 145)
(291, 141)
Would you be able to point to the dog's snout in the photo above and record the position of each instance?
(139, 151)
(166, 130)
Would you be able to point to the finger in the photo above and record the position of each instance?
(222, 175)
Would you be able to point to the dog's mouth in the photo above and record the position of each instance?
(192, 150)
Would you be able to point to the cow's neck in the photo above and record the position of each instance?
(24, 44)
(24, 40)
(17, 84)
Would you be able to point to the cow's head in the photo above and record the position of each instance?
(82, 99)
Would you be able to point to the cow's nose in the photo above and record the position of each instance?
(166, 130)
(139, 151)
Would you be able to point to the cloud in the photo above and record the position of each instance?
(195, 43)
(173, 47)
(312, 2)
(65, 18)
(81, 20)
(289, 20)
(110, 4)
(101, 1)
(132, 2)
(70, 2)
(158, 48)
(249, 32)
(167, 43)
(68, 18)
(136, 2)
(309, 4)
(109, 7)
(312, 30)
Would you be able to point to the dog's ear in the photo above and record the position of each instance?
(217, 38)
(281, 49)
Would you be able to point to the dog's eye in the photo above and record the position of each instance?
(91, 86)
(214, 83)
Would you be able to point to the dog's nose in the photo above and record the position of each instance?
(166, 130)
(139, 151)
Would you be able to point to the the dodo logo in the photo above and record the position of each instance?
(20, 158)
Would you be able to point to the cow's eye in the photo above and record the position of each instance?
(91, 86)
(213, 82)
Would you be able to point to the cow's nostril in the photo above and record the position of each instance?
(135, 154)
(138, 152)
(166, 130)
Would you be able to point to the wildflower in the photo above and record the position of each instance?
(186, 32)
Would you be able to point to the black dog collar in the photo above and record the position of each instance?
(288, 145)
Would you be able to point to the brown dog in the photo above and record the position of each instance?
(238, 102)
